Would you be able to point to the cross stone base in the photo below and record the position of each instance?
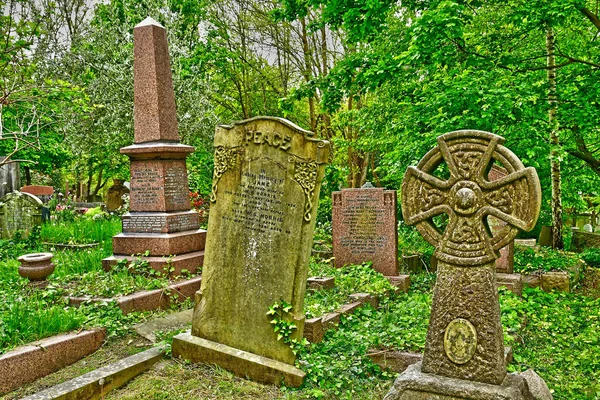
(241, 363)
(413, 384)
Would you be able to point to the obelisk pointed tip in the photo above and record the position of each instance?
(149, 21)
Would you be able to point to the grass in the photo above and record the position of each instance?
(29, 312)
(84, 230)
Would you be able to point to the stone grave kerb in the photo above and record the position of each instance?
(464, 350)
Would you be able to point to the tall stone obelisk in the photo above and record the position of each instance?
(160, 219)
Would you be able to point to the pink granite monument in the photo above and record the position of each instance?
(160, 219)
(364, 228)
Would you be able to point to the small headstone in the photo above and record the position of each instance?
(160, 219)
(588, 228)
(19, 212)
(464, 350)
(10, 179)
(266, 184)
(505, 263)
(545, 238)
(364, 228)
(114, 196)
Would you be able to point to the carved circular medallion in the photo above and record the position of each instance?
(460, 341)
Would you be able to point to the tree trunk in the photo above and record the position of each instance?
(308, 73)
(27, 175)
(557, 239)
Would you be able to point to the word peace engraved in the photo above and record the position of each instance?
(468, 197)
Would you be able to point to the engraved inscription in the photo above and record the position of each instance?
(146, 184)
(258, 203)
(363, 216)
(176, 187)
(460, 341)
(160, 223)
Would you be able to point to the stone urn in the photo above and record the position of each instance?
(37, 266)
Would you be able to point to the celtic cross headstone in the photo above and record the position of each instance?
(464, 351)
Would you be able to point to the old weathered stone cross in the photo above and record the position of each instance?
(465, 339)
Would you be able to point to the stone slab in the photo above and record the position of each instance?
(513, 282)
(147, 222)
(396, 361)
(38, 190)
(537, 387)
(364, 228)
(313, 330)
(413, 384)
(157, 150)
(525, 242)
(149, 300)
(169, 322)
(532, 281)
(555, 280)
(330, 320)
(28, 363)
(241, 363)
(162, 244)
(365, 298)
(320, 283)
(191, 262)
(400, 282)
(96, 384)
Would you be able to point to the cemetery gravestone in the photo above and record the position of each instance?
(464, 350)
(114, 197)
(266, 184)
(10, 179)
(160, 219)
(19, 212)
(364, 228)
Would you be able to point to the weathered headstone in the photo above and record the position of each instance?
(266, 183)
(464, 350)
(160, 219)
(114, 196)
(10, 179)
(364, 228)
(506, 262)
(19, 212)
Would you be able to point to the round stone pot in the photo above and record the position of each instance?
(37, 266)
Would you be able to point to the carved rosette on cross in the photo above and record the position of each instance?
(448, 197)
